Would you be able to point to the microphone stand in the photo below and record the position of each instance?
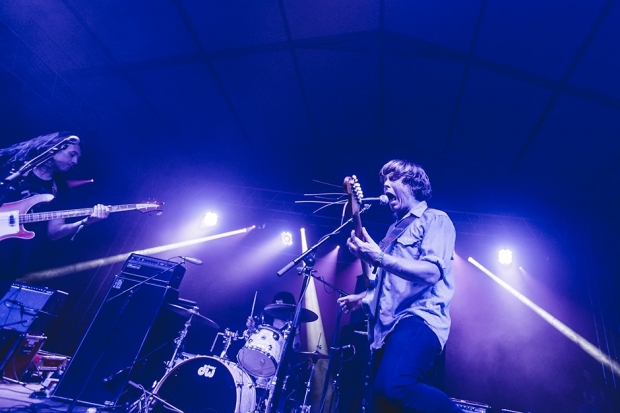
(288, 346)
(333, 347)
(6, 183)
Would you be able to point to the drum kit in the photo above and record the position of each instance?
(200, 383)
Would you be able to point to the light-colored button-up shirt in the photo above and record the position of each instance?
(430, 237)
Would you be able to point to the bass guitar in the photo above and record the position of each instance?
(14, 215)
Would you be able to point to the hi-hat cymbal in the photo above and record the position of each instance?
(313, 355)
(192, 311)
(287, 311)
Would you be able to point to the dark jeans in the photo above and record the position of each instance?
(399, 366)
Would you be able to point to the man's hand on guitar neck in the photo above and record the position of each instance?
(100, 212)
(57, 228)
(365, 248)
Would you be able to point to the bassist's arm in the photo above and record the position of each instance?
(58, 228)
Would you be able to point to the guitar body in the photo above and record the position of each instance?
(10, 226)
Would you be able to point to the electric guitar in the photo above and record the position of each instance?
(13, 215)
(354, 191)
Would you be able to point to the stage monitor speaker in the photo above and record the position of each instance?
(28, 309)
(113, 344)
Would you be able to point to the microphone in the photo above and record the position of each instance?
(63, 144)
(74, 140)
(381, 200)
(113, 375)
(191, 260)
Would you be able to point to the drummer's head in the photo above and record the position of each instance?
(284, 297)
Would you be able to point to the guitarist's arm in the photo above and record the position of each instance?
(58, 228)
(351, 302)
(413, 270)
(368, 252)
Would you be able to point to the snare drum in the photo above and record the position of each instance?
(261, 353)
(206, 384)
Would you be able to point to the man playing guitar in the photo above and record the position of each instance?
(408, 293)
(44, 178)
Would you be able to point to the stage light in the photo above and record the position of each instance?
(287, 238)
(504, 256)
(210, 219)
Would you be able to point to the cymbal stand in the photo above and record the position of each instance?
(178, 342)
(304, 408)
(335, 339)
(145, 400)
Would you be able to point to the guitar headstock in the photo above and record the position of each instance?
(354, 191)
(151, 205)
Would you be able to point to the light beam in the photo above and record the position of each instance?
(87, 265)
(588, 347)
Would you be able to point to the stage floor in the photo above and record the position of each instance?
(15, 398)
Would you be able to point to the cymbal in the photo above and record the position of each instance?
(192, 311)
(313, 355)
(287, 311)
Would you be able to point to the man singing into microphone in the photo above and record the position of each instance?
(46, 178)
(409, 293)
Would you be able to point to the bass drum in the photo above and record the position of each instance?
(206, 384)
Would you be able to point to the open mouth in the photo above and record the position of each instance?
(391, 196)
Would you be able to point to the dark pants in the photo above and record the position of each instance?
(399, 366)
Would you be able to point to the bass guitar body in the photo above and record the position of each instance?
(10, 225)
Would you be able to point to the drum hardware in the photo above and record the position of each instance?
(193, 312)
(183, 333)
(205, 384)
(229, 337)
(147, 398)
(143, 404)
(314, 357)
(177, 344)
(287, 311)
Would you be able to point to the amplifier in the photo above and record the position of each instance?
(140, 267)
(23, 355)
(27, 308)
(468, 406)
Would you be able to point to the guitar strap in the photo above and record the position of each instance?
(396, 232)
(384, 244)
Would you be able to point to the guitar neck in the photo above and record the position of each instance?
(73, 213)
(357, 227)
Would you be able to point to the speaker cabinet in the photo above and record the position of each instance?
(114, 343)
